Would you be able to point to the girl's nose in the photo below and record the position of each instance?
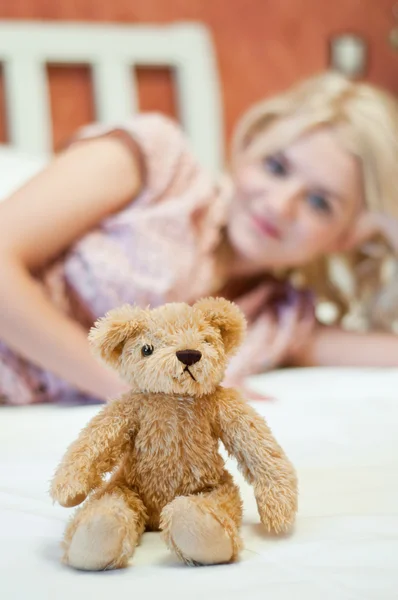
(283, 199)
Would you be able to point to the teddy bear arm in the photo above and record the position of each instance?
(264, 464)
(94, 453)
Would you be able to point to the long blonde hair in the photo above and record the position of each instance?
(363, 282)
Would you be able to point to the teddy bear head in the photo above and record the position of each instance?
(173, 349)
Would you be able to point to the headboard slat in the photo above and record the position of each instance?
(27, 102)
(115, 91)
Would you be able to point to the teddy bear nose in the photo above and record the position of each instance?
(189, 357)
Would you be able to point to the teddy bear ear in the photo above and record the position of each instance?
(229, 319)
(109, 333)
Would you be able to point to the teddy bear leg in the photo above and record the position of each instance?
(203, 529)
(104, 532)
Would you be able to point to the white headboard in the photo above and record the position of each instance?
(111, 51)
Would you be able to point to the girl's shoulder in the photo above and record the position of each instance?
(160, 147)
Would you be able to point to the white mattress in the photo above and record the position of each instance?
(339, 427)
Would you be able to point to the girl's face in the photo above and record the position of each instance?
(295, 205)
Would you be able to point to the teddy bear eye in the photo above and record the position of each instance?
(147, 350)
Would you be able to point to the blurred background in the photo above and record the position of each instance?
(260, 46)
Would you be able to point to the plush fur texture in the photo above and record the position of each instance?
(160, 443)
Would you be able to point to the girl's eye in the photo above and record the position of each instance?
(319, 203)
(147, 350)
(276, 166)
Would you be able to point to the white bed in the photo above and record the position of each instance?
(338, 426)
(340, 429)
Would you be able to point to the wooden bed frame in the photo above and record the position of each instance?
(111, 51)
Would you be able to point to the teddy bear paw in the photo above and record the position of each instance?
(196, 536)
(96, 545)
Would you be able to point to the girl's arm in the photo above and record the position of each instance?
(331, 346)
(76, 191)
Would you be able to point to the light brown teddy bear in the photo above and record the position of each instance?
(160, 443)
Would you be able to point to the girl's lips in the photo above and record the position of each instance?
(266, 227)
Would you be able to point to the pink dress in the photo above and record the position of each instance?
(160, 248)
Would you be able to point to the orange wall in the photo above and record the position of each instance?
(261, 45)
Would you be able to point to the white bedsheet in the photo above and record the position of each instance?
(16, 168)
(340, 427)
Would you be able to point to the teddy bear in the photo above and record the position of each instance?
(150, 460)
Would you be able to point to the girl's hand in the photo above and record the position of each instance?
(283, 325)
